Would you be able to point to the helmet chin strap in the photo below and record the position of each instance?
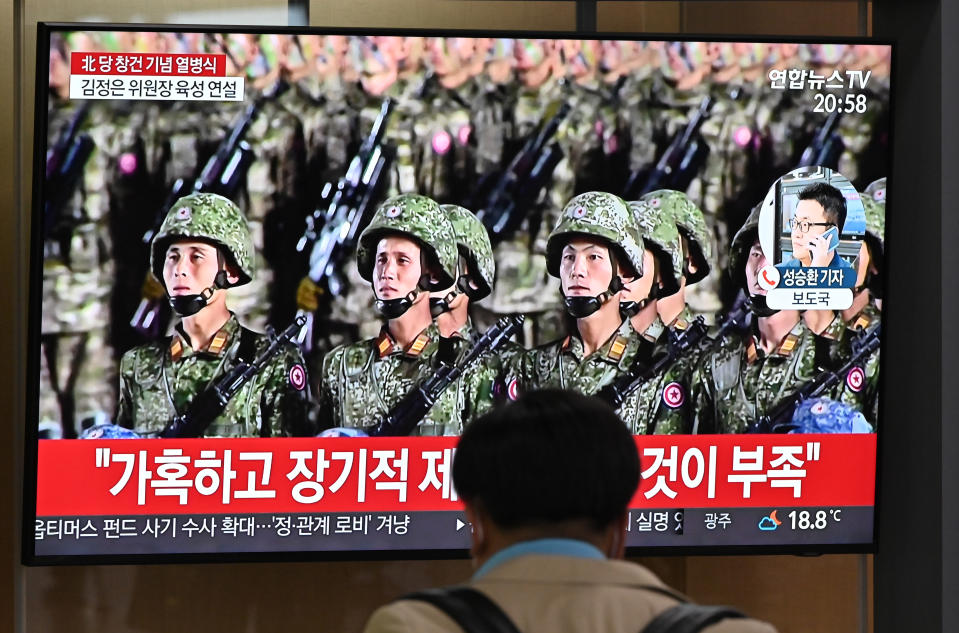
(759, 307)
(439, 305)
(582, 307)
(395, 308)
(188, 305)
(629, 309)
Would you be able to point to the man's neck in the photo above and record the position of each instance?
(773, 329)
(596, 329)
(859, 302)
(202, 326)
(408, 326)
(645, 317)
(672, 306)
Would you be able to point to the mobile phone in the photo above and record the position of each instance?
(832, 235)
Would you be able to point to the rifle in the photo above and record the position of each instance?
(403, 418)
(736, 320)
(826, 146)
(65, 163)
(517, 188)
(616, 392)
(210, 403)
(681, 161)
(333, 228)
(779, 418)
(223, 173)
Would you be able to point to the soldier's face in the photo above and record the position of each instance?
(812, 212)
(754, 263)
(189, 267)
(585, 269)
(639, 288)
(396, 269)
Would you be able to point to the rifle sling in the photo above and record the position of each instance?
(246, 354)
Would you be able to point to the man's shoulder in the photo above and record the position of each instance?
(617, 596)
(144, 356)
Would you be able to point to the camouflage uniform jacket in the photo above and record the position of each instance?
(859, 387)
(738, 381)
(665, 403)
(158, 381)
(562, 364)
(363, 381)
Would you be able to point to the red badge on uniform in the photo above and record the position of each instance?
(184, 214)
(818, 408)
(855, 378)
(298, 377)
(513, 390)
(674, 395)
(578, 212)
(393, 212)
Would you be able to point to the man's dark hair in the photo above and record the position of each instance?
(550, 456)
(831, 199)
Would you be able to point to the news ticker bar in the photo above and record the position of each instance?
(445, 530)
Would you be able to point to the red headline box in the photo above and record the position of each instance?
(148, 64)
(211, 476)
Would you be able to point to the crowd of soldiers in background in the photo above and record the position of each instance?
(460, 110)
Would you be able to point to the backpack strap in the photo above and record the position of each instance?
(686, 617)
(472, 610)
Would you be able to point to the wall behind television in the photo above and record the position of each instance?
(829, 593)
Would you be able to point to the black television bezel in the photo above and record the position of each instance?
(35, 280)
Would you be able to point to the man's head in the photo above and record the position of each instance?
(820, 208)
(476, 269)
(551, 464)
(406, 226)
(209, 232)
(593, 249)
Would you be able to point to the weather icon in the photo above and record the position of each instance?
(770, 523)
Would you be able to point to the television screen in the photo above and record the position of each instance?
(275, 274)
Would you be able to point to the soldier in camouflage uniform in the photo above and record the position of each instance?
(665, 406)
(476, 272)
(407, 251)
(746, 376)
(203, 248)
(594, 250)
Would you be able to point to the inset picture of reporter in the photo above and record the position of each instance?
(820, 219)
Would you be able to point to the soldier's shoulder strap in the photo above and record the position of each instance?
(472, 610)
(686, 617)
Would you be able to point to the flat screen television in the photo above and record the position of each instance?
(223, 361)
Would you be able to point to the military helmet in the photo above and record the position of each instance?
(691, 224)
(602, 215)
(206, 217)
(420, 218)
(473, 242)
(744, 239)
(662, 237)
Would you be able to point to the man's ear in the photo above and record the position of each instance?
(232, 274)
(615, 538)
(479, 534)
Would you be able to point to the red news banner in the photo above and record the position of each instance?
(149, 64)
(210, 476)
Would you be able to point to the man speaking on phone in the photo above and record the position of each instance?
(816, 227)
